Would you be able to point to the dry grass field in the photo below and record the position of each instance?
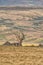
(11, 55)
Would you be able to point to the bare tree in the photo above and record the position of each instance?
(41, 45)
(20, 36)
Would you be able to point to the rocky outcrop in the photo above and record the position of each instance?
(9, 44)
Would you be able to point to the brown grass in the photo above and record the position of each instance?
(10, 55)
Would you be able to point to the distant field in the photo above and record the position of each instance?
(10, 55)
(29, 22)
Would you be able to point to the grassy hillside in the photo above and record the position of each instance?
(29, 22)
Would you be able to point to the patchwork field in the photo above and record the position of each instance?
(10, 55)
(14, 23)
(29, 22)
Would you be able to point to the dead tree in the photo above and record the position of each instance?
(20, 37)
(41, 45)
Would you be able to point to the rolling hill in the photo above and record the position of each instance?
(29, 22)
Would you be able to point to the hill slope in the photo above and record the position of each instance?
(29, 22)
